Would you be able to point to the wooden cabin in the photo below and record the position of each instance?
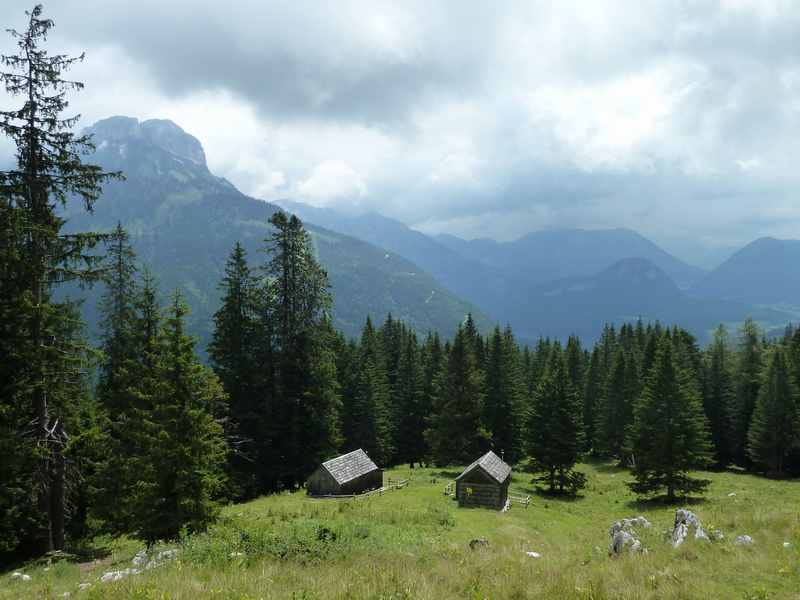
(484, 483)
(345, 475)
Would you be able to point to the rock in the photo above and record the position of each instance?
(718, 535)
(533, 554)
(621, 540)
(167, 554)
(140, 558)
(684, 519)
(84, 586)
(743, 540)
(20, 576)
(479, 543)
(117, 575)
(787, 544)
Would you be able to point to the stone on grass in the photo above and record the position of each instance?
(622, 540)
(478, 543)
(20, 576)
(533, 554)
(140, 558)
(117, 575)
(743, 540)
(732, 495)
(787, 544)
(84, 586)
(684, 519)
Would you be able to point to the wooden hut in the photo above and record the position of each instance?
(351, 473)
(484, 483)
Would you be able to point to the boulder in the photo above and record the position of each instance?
(117, 575)
(622, 540)
(20, 576)
(684, 520)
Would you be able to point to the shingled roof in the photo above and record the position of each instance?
(492, 465)
(349, 466)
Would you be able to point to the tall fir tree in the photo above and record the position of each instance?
(456, 434)
(301, 303)
(236, 355)
(775, 426)
(49, 169)
(669, 437)
(747, 383)
(554, 431)
(719, 398)
(592, 396)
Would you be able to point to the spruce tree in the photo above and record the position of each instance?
(300, 305)
(187, 445)
(719, 399)
(49, 170)
(669, 437)
(234, 354)
(456, 434)
(775, 426)
(747, 383)
(554, 431)
(592, 396)
(411, 446)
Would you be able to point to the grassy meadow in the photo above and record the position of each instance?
(414, 543)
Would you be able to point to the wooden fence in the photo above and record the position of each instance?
(523, 500)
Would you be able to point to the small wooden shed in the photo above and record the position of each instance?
(484, 483)
(348, 474)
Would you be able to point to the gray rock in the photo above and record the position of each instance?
(117, 575)
(478, 543)
(622, 540)
(20, 576)
(743, 540)
(684, 520)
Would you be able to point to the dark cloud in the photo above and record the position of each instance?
(681, 120)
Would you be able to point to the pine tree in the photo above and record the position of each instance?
(592, 396)
(456, 434)
(49, 170)
(775, 425)
(411, 402)
(554, 431)
(187, 445)
(615, 413)
(669, 436)
(747, 383)
(719, 401)
(234, 352)
(300, 306)
(369, 422)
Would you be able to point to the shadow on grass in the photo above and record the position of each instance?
(554, 496)
(76, 553)
(662, 502)
(604, 465)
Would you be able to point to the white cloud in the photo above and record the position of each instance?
(330, 181)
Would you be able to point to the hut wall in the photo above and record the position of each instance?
(321, 483)
(368, 481)
(492, 495)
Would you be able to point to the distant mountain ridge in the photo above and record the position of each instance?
(184, 222)
(766, 271)
(553, 283)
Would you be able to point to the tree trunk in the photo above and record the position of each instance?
(58, 489)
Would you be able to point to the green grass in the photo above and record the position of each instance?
(413, 543)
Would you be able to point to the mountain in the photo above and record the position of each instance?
(554, 283)
(630, 289)
(184, 222)
(766, 271)
(548, 255)
(463, 276)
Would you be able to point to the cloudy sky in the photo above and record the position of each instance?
(678, 119)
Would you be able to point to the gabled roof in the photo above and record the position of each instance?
(349, 466)
(492, 465)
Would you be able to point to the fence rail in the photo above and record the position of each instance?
(523, 500)
(390, 486)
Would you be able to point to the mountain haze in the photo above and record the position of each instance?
(763, 272)
(184, 222)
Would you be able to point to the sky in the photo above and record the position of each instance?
(679, 119)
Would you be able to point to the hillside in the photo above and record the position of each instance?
(763, 272)
(414, 544)
(184, 222)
